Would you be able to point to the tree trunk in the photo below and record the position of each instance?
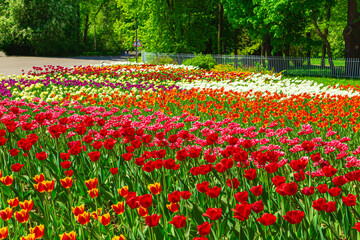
(327, 45)
(86, 28)
(326, 32)
(220, 29)
(268, 51)
(236, 42)
(78, 24)
(351, 36)
(308, 53)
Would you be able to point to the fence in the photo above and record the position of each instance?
(299, 66)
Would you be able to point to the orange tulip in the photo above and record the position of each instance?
(66, 182)
(155, 188)
(78, 210)
(27, 205)
(94, 193)
(123, 191)
(173, 207)
(83, 218)
(22, 216)
(6, 214)
(91, 183)
(143, 212)
(38, 231)
(49, 185)
(7, 181)
(4, 233)
(121, 237)
(68, 236)
(95, 215)
(31, 236)
(119, 208)
(105, 219)
(13, 202)
(40, 187)
(39, 178)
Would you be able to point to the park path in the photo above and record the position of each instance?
(10, 65)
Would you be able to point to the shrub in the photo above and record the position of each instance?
(202, 61)
(224, 68)
(258, 68)
(162, 60)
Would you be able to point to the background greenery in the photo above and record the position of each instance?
(259, 27)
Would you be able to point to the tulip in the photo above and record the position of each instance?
(22, 216)
(68, 236)
(213, 213)
(267, 219)
(118, 208)
(152, 220)
(4, 233)
(105, 219)
(38, 231)
(178, 221)
(204, 229)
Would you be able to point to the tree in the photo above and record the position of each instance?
(38, 27)
(351, 35)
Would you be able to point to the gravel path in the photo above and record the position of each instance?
(14, 64)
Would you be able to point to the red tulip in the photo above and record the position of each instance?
(257, 190)
(267, 219)
(242, 211)
(308, 191)
(145, 200)
(178, 221)
(357, 226)
(204, 229)
(213, 213)
(319, 204)
(233, 183)
(202, 187)
(250, 174)
(334, 192)
(241, 196)
(349, 200)
(214, 192)
(41, 156)
(152, 220)
(294, 217)
(17, 167)
(94, 156)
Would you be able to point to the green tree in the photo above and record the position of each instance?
(38, 27)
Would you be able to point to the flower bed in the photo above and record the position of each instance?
(176, 163)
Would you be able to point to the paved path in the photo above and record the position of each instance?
(14, 64)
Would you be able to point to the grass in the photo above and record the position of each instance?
(329, 81)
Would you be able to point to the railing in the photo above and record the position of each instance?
(299, 66)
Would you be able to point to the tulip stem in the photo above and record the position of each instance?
(2, 197)
(16, 228)
(71, 204)
(82, 233)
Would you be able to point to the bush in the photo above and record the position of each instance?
(162, 60)
(224, 68)
(202, 61)
(258, 68)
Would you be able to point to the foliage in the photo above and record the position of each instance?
(201, 61)
(224, 68)
(162, 60)
(38, 27)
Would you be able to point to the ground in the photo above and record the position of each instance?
(14, 64)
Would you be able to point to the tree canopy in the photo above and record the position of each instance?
(262, 27)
